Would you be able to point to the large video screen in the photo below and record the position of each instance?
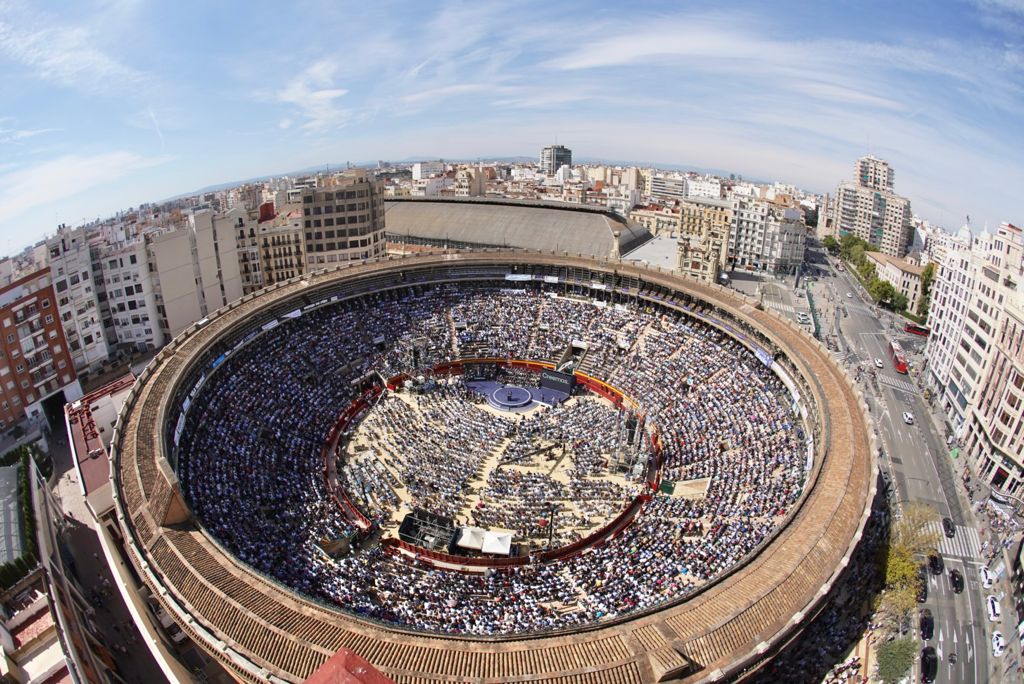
(560, 382)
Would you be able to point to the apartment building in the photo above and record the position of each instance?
(35, 362)
(280, 246)
(195, 268)
(74, 282)
(621, 199)
(421, 170)
(669, 187)
(707, 187)
(766, 236)
(469, 182)
(901, 274)
(709, 219)
(747, 232)
(869, 209)
(785, 240)
(131, 298)
(660, 220)
(994, 439)
(874, 173)
(554, 157)
(968, 299)
(938, 243)
(343, 220)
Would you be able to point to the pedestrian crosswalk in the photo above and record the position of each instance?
(896, 383)
(965, 543)
(779, 306)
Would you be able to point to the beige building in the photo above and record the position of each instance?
(196, 268)
(469, 182)
(660, 220)
(869, 209)
(993, 433)
(270, 250)
(901, 274)
(343, 220)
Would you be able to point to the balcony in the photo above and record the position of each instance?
(38, 360)
(43, 376)
(26, 314)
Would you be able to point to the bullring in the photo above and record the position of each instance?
(264, 630)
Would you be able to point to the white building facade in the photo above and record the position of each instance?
(71, 268)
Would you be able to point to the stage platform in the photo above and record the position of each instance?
(513, 398)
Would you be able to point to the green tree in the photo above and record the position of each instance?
(898, 302)
(830, 244)
(927, 276)
(895, 659)
(900, 568)
(881, 290)
(914, 530)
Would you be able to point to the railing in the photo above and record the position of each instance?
(598, 537)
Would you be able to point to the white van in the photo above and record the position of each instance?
(994, 610)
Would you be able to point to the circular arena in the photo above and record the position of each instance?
(493, 466)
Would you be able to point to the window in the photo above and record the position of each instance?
(49, 318)
(46, 303)
(10, 338)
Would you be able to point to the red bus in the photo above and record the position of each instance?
(899, 361)
(915, 329)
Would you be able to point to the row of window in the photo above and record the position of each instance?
(339, 195)
(349, 220)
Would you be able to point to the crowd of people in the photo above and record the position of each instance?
(251, 468)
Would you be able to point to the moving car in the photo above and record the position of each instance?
(929, 664)
(908, 417)
(998, 644)
(995, 611)
(987, 578)
(948, 527)
(956, 580)
(849, 295)
(935, 564)
(879, 364)
(927, 625)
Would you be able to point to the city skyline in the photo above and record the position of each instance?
(117, 102)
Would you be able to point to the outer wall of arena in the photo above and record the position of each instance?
(704, 638)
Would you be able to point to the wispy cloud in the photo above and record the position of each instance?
(11, 135)
(313, 94)
(67, 55)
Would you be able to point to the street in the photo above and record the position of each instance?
(917, 461)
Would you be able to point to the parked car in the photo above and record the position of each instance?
(908, 417)
(929, 664)
(948, 527)
(849, 295)
(935, 564)
(879, 364)
(995, 611)
(987, 578)
(927, 624)
(956, 580)
(998, 644)
(922, 591)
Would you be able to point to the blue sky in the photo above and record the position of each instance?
(108, 103)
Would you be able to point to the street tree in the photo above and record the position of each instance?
(914, 530)
(895, 659)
